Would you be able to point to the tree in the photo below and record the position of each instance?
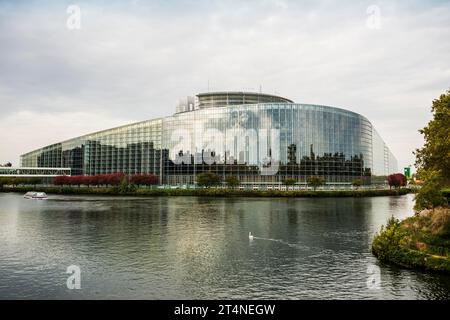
(357, 183)
(102, 179)
(145, 179)
(435, 154)
(289, 181)
(433, 159)
(3, 181)
(208, 179)
(114, 179)
(125, 185)
(15, 181)
(35, 181)
(61, 180)
(76, 180)
(396, 180)
(8, 164)
(137, 179)
(315, 182)
(89, 180)
(232, 181)
(151, 179)
(430, 195)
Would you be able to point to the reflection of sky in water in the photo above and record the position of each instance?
(187, 247)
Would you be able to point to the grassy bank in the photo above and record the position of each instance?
(422, 241)
(211, 192)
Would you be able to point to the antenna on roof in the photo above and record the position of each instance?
(208, 85)
(260, 88)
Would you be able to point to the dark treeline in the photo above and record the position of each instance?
(16, 181)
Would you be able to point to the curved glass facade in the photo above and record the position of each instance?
(258, 143)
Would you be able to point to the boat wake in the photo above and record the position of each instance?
(313, 252)
(292, 245)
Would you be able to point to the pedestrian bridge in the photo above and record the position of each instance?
(33, 172)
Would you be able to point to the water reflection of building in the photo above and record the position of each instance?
(231, 133)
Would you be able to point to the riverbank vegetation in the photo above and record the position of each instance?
(423, 241)
(17, 181)
(131, 190)
(208, 184)
(112, 179)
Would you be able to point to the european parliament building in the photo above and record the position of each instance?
(259, 138)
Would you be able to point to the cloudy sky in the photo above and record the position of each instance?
(132, 60)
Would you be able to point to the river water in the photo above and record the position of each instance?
(198, 248)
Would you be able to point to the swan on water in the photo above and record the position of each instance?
(250, 236)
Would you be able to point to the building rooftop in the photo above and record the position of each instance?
(225, 98)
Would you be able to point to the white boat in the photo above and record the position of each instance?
(35, 195)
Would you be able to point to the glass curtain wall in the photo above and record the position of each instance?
(296, 141)
(257, 143)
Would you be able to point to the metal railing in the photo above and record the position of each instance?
(33, 172)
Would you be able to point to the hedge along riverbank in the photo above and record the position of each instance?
(212, 192)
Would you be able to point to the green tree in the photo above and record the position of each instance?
(125, 186)
(433, 159)
(15, 181)
(435, 154)
(430, 195)
(315, 182)
(35, 181)
(289, 181)
(208, 179)
(357, 183)
(232, 181)
(3, 181)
